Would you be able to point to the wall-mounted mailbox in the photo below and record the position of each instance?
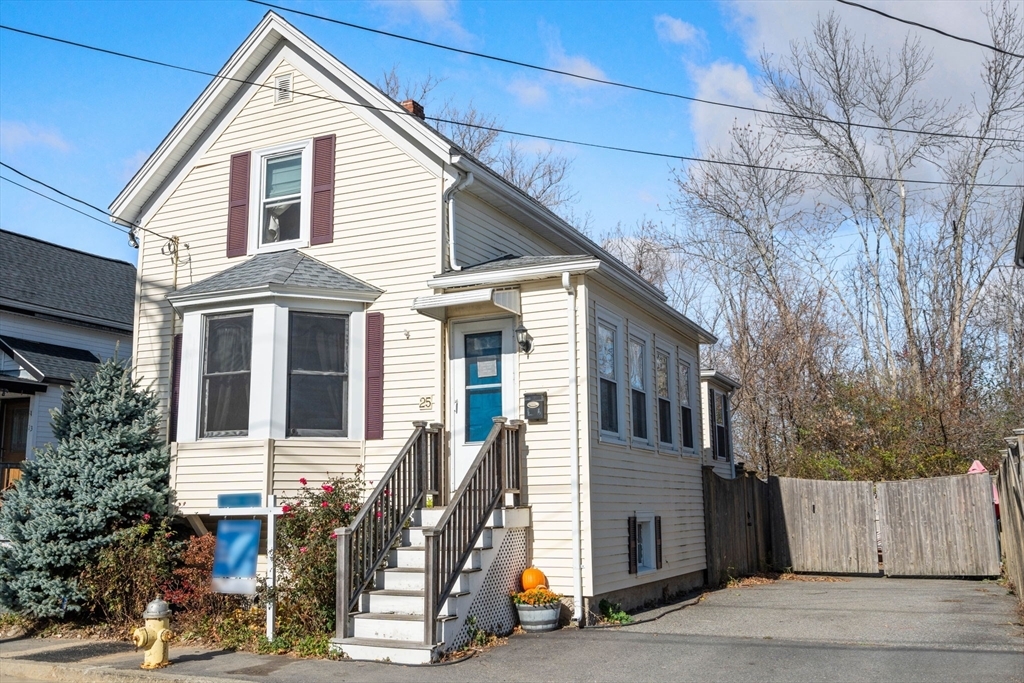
(535, 407)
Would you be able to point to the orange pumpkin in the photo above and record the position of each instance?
(533, 577)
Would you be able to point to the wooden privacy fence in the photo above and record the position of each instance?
(823, 526)
(943, 526)
(736, 526)
(1010, 482)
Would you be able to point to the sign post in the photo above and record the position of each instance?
(234, 563)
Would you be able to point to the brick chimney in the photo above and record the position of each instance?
(414, 108)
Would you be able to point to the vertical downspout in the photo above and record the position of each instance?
(449, 199)
(574, 452)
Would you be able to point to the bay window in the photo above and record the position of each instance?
(317, 374)
(227, 365)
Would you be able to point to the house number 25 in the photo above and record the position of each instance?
(426, 402)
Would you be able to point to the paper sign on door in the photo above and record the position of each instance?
(487, 368)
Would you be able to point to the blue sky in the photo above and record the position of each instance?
(85, 122)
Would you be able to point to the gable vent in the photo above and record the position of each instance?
(283, 88)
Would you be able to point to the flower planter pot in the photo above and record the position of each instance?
(539, 618)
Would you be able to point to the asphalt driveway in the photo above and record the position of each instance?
(857, 629)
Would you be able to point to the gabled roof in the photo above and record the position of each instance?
(278, 272)
(42, 277)
(49, 362)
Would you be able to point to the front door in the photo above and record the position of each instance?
(13, 439)
(483, 376)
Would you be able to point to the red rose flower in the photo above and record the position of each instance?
(145, 517)
(302, 480)
(324, 504)
(286, 508)
(328, 488)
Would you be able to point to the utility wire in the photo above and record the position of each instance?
(620, 84)
(547, 138)
(66, 206)
(131, 226)
(930, 28)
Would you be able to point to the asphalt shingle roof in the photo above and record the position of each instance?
(48, 362)
(48, 278)
(291, 268)
(512, 262)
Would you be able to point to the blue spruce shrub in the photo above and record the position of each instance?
(110, 467)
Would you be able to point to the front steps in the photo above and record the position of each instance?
(389, 623)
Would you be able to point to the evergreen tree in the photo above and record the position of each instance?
(110, 468)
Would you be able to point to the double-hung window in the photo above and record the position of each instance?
(685, 403)
(281, 198)
(607, 364)
(317, 374)
(720, 419)
(638, 387)
(227, 364)
(662, 363)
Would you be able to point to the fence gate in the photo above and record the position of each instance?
(823, 526)
(944, 526)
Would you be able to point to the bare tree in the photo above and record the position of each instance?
(542, 174)
(896, 318)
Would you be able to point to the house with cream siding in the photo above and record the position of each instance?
(716, 389)
(62, 311)
(361, 293)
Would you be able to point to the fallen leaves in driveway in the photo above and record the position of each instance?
(765, 578)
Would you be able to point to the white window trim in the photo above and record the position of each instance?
(268, 389)
(673, 399)
(641, 335)
(696, 403)
(647, 519)
(257, 176)
(609, 319)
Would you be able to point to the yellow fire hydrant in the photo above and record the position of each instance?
(155, 635)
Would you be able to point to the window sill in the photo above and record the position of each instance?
(612, 439)
(643, 446)
(644, 571)
(281, 246)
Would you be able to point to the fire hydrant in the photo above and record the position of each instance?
(155, 635)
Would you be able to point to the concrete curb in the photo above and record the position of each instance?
(82, 673)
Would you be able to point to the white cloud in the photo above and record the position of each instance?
(439, 15)
(672, 30)
(15, 135)
(721, 81)
(530, 93)
(131, 165)
(559, 59)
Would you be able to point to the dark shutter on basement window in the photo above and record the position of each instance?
(238, 205)
(321, 229)
(632, 544)
(172, 428)
(374, 375)
(657, 541)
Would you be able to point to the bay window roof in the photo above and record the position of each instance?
(280, 272)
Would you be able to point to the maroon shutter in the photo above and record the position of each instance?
(631, 522)
(657, 541)
(374, 375)
(322, 217)
(238, 205)
(172, 429)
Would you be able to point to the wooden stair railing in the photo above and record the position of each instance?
(497, 470)
(363, 546)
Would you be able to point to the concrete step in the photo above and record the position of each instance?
(411, 579)
(407, 627)
(413, 557)
(404, 602)
(377, 649)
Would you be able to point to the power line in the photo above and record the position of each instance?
(132, 227)
(66, 206)
(620, 84)
(930, 28)
(534, 136)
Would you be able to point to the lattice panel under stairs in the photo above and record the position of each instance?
(492, 609)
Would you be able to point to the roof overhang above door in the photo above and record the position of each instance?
(436, 306)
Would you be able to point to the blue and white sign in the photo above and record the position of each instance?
(234, 557)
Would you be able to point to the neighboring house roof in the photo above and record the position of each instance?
(278, 272)
(715, 376)
(45, 278)
(49, 362)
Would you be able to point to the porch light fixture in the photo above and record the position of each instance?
(523, 338)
